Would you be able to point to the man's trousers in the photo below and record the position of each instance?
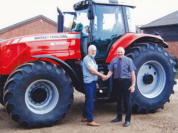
(90, 90)
(121, 89)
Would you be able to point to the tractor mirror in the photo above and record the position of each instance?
(90, 13)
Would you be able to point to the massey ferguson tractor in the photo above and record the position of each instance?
(39, 72)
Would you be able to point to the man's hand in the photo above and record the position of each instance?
(97, 85)
(104, 77)
(132, 89)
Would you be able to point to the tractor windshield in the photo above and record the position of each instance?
(108, 25)
(108, 22)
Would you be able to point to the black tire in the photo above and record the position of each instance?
(2, 82)
(1, 95)
(152, 62)
(38, 94)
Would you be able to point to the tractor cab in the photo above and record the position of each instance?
(100, 23)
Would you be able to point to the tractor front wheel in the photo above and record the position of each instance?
(38, 94)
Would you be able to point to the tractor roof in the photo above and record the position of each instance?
(115, 2)
(85, 3)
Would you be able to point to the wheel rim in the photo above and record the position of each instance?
(41, 96)
(151, 79)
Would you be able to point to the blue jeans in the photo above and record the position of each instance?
(90, 90)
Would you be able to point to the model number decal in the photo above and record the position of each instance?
(50, 37)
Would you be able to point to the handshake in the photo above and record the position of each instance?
(104, 77)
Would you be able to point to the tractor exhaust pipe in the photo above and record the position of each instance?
(60, 21)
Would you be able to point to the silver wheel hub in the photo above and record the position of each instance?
(41, 96)
(151, 79)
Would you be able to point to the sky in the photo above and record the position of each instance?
(14, 11)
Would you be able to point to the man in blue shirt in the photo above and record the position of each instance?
(90, 76)
(122, 69)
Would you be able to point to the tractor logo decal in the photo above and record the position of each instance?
(50, 37)
(46, 37)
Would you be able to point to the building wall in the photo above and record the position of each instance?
(39, 25)
(173, 48)
(169, 34)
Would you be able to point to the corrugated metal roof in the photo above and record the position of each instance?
(26, 21)
(170, 19)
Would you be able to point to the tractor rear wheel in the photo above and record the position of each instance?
(155, 76)
(38, 94)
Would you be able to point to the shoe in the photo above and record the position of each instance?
(126, 124)
(93, 123)
(116, 120)
(84, 120)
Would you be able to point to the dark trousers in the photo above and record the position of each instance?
(90, 90)
(121, 89)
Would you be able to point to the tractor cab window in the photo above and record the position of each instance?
(68, 21)
(81, 24)
(108, 25)
(130, 19)
(81, 21)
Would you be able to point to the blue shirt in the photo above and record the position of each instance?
(89, 61)
(127, 66)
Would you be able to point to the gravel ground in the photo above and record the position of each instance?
(163, 121)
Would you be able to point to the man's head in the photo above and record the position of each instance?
(120, 52)
(92, 50)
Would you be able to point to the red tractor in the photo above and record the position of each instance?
(38, 72)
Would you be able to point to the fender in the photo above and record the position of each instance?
(66, 67)
(17, 51)
(129, 39)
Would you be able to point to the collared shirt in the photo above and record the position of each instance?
(89, 61)
(127, 66)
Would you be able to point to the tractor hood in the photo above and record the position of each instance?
(42, 37)
(62, 45)
(19, 50)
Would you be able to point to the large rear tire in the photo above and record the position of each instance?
(155, 76)
(38, 94)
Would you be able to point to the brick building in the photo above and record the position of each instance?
(35, 25)
(167, 28)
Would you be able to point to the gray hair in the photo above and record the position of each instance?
(91, 47)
